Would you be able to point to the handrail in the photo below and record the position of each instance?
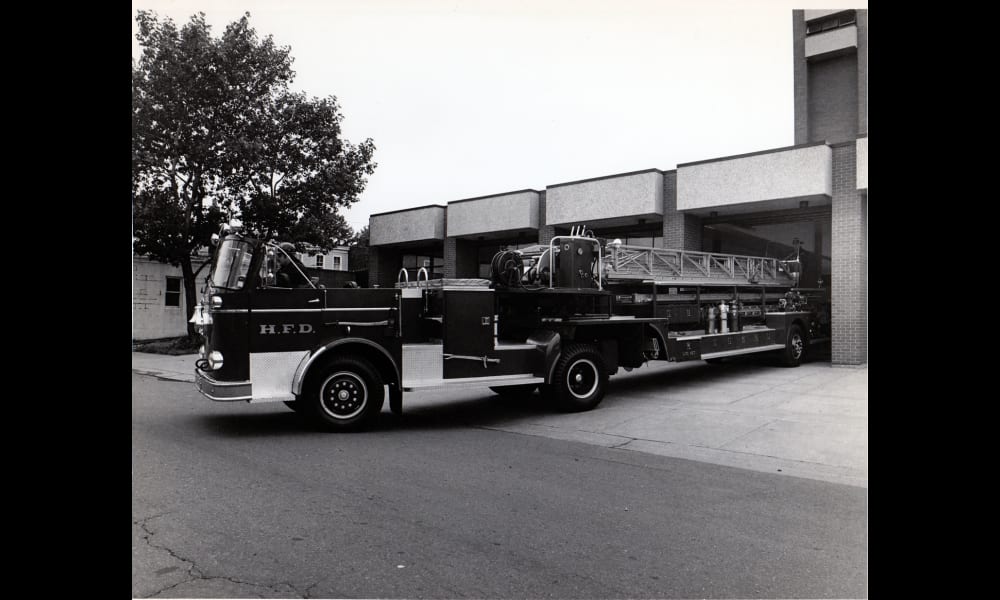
(427, 276)
(406, 276)
(643, 262)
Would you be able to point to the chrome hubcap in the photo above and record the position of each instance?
(582, 378)
(343, 395)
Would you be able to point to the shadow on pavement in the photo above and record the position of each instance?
(481, 407)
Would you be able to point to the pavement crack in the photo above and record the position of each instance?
(625, 443)
(193, 572)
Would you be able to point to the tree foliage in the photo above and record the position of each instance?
(217, 133)
(360, 239)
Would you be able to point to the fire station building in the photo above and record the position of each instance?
(809, 198)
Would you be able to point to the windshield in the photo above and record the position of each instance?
(232, 263)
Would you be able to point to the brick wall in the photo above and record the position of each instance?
(833, 99)
(545, 232)
(801, 79)
(450, 258)
(849, 240)
(680, 231)
(863, 71)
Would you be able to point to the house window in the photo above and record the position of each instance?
(319, 261)
(336, 263)
(172, 297)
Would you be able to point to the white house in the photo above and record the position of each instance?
(334, 260)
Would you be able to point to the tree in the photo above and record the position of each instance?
(360, 239)
(217, 133)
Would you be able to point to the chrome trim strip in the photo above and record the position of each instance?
(698, 337)
(743, 351)
(472, 381)
(287, 310)
(218, 311)
(359, 308)
(300, 372)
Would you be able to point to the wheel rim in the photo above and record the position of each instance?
(343, 395)
(582, 378)
(797, 345)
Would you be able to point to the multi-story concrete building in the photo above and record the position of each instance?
(810, 197)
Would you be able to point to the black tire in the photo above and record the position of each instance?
(795, 347)
(515, 391)
(579, 379)
(345, 395)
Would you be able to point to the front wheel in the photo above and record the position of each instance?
(579, 380)
(345, 395)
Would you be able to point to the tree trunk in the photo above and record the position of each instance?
(190, 294)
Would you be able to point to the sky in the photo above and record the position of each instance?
(478, 97)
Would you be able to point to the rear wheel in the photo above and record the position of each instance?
(345, 395)
(579, 380)
(795, 347)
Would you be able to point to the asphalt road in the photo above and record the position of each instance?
(234, 500)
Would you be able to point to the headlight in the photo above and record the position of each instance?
(215, 360)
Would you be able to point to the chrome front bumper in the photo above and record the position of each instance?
(222, 391)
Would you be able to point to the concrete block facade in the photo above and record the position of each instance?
(501, 212)
(416, 224)
(832, 41)
(637, 194)
(774, 175)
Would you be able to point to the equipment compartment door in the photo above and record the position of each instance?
(468, 333)
(468, 319)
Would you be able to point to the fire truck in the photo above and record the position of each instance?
(559, 317)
